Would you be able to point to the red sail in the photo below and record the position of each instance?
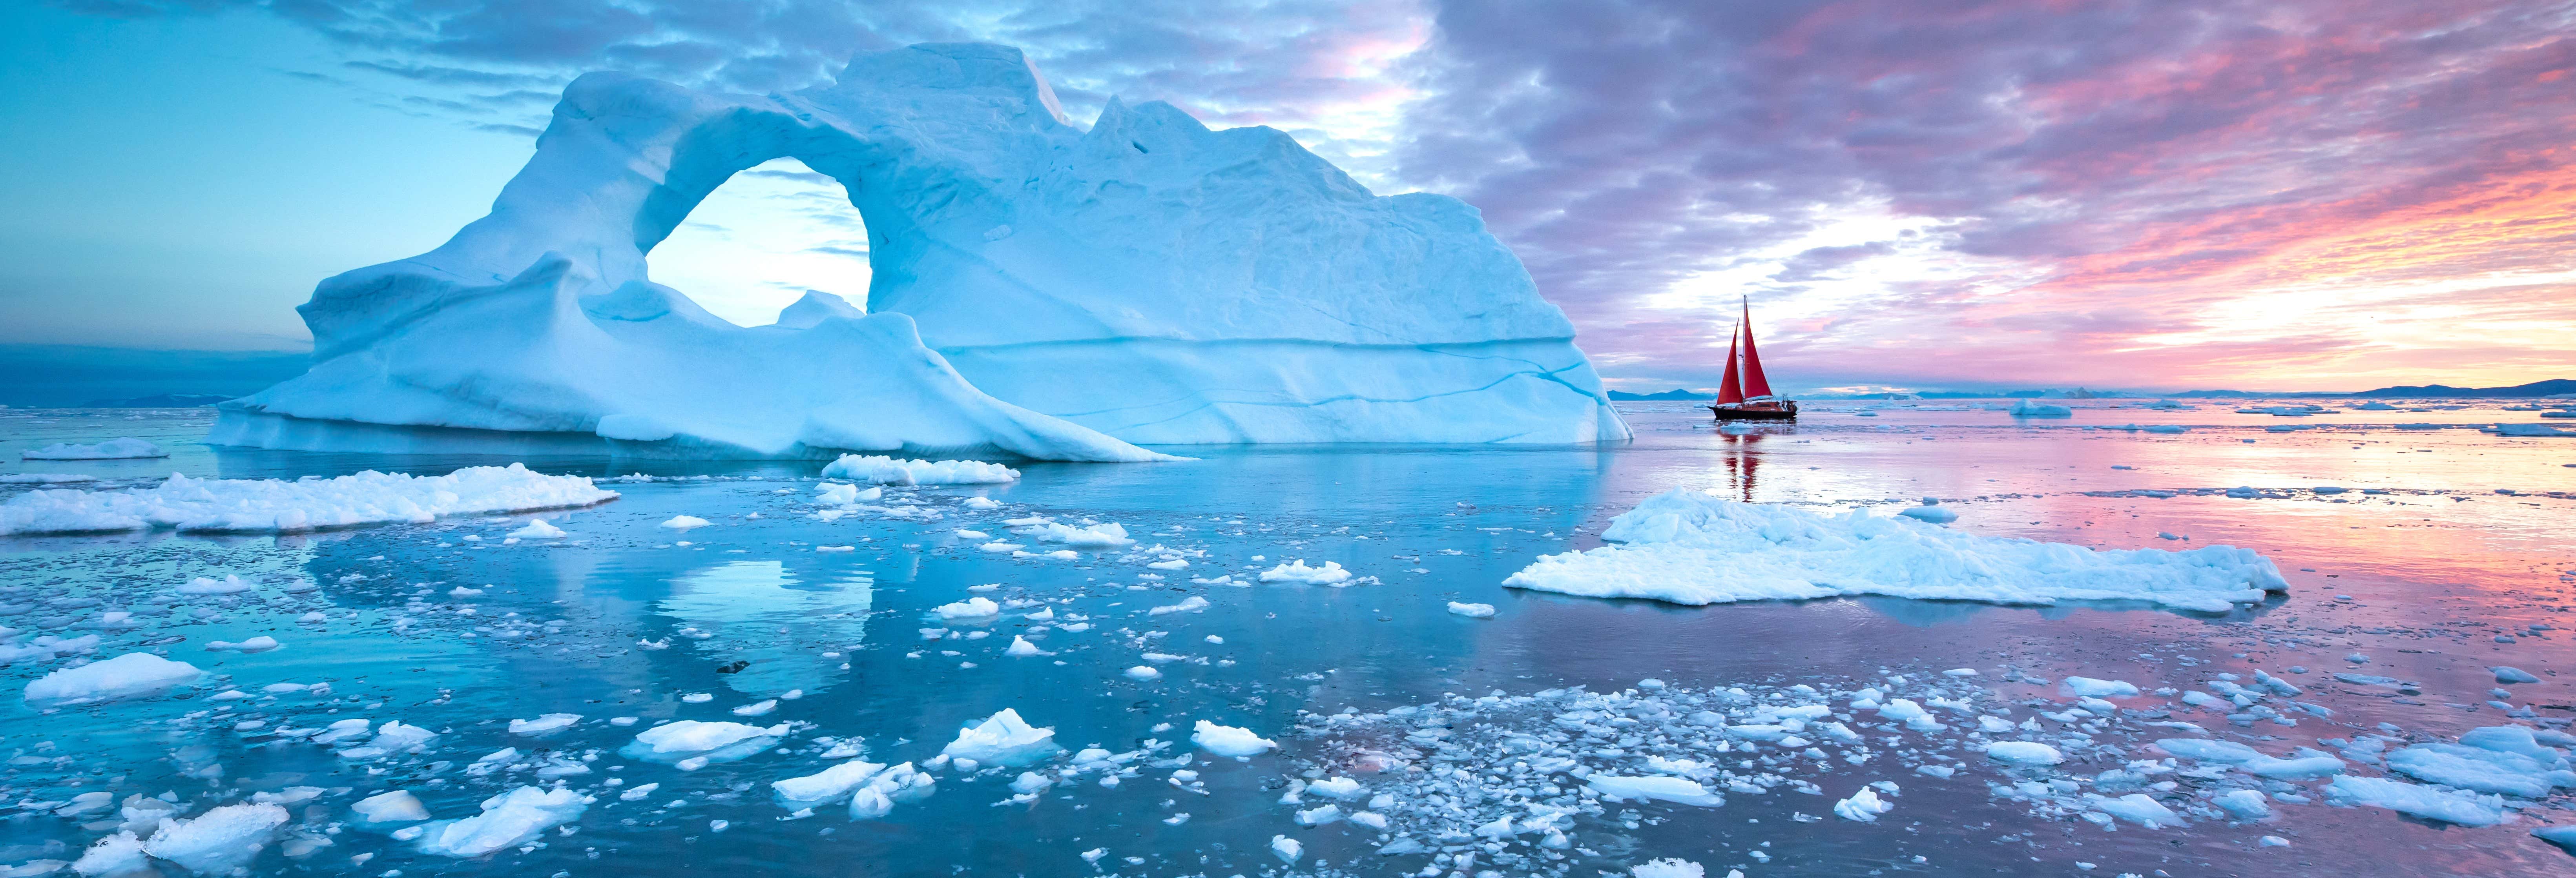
(1728, 391)
(1754, 383)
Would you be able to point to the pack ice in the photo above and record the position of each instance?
(1039, 289)
(1691, 547)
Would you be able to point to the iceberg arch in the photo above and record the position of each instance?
(1038, 289)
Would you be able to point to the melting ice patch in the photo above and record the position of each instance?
(1689, 547)
(277, 506)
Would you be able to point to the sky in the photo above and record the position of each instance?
(2176, 194)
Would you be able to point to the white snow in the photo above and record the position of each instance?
(1691, 547)
(508, 820)
(118, 854)
(132, 675)
(1002, 739)
(1161, 283)
(881, 470)
(684, 522)
(1472, 611)
(275, 506)
(113, 449)
(1297, 571)
(1229, 740)
(221, 840)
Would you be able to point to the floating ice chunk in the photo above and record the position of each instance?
(1931, 511)
(397, 806)
(2138, 808)
(687, 739)
(829, 784)
(2300, 768)
(1297, 571)
(757, 708)
(1670, 789)
(1143, 673)
(275, 506)
(262, 643)
(122, 448)
(1229, 740)
(1690, 547)
(2562, 836)
(2465, 809)
(1671, 867)
(2024, 753)
(2088, 687)
(543, 724)
(132, 675)
(1191, 604)
(221, 840)
(2481, 770)
(1338, 788)
(1022, 648)
(889, 471)
(1003, 739)
(969, 609)
(2508, 674)
(118, 854)
(2028, 409)
(230, 584)
(1327, 814)
(1472, 611)
(1099, 536)
(1286, 849)
(537, 529)
(685, 522)
(2244, 804)
(2228, 752)
(1863, 806)
(508, 820)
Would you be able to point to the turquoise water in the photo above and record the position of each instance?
(2420, 579)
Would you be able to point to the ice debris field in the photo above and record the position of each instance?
(872, 655)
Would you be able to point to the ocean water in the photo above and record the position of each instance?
(2463, 561)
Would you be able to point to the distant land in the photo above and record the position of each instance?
(2551, 387)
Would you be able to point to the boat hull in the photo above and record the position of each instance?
(1756, 412)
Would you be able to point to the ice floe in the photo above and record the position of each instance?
(279, 506)
(882, 470)
(1691, 547)
(114, 449)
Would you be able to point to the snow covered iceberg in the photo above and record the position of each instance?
(1691, 547)
(1039, 289)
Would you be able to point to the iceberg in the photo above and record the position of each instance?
(1040, 289)
(1692, 547)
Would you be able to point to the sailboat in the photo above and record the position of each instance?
(1750, 399)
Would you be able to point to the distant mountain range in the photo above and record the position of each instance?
(2551, 387)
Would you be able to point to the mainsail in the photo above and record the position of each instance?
(1754, 384)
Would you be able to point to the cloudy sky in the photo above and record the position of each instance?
(2305, 194)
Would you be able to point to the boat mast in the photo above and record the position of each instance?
(1728, 391)
(1754, 383)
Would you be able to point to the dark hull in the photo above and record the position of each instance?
(1757, 412)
